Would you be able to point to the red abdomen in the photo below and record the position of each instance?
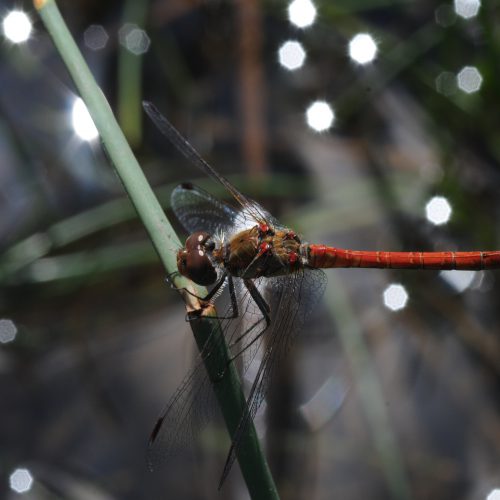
(322, 256)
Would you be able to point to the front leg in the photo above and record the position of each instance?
(265, 311)
(213, 294)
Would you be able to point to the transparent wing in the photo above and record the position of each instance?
(189, 410)
(183, 145)
(198, 210)
(193, 405)
(292, 299)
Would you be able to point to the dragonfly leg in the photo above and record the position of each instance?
(168, 279)
(264, 309)
(213, 293)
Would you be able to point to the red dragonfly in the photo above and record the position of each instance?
(273, 279)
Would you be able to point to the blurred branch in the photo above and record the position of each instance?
(369, 390)
(251, 85)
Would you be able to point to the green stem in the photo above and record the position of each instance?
(228, 390)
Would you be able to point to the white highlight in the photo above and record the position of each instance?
(302, 13)
(362, 48)
(8, 331)
(459, 280)
(17, 26)
(438, 210)
(467, 8)
(320, 116)
(494, 495)
(291, 55)
(21, 480)
(395, 297)
(82, 121)
(469, 79)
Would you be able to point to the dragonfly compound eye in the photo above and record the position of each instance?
(194, 262)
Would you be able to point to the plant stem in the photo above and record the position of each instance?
(228, 390)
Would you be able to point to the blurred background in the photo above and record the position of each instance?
(365, 124)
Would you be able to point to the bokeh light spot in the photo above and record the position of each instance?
(446, 83)
(494, 494)
(83, 124)
(395, 297)
(95, 37)
(302, 13)
(459, 280)
(8, 331)
(134, 39)
(362, 48)
(17, 26)
(320, 116)
(469, 79)
(291, 55)
(138, 42)
(21, 480)
(438, 210)
(467, 8)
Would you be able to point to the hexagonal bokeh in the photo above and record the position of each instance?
(438, 210)
(291, 55)
(95, 37)
(302, 13)
(21, 480)
(8, 331)
(469, 79)
(467, 8)
(320, 116)
(134, 38)
(395, 297)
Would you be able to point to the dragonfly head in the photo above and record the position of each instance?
(193, 260)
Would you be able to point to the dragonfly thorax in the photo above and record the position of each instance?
(194, 262)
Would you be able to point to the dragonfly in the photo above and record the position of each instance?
(273, 278)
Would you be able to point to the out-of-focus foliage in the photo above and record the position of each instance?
(382, 397)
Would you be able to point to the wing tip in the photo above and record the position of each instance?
(155, 431)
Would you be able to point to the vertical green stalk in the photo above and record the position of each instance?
(130, 76)
(228, 390)
(370, 393)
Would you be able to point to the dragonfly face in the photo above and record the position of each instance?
(193, 260)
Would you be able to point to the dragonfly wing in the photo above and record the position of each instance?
(252, 208)
(292, 299)
(198, 210)
(189, 410)
(194, 404)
